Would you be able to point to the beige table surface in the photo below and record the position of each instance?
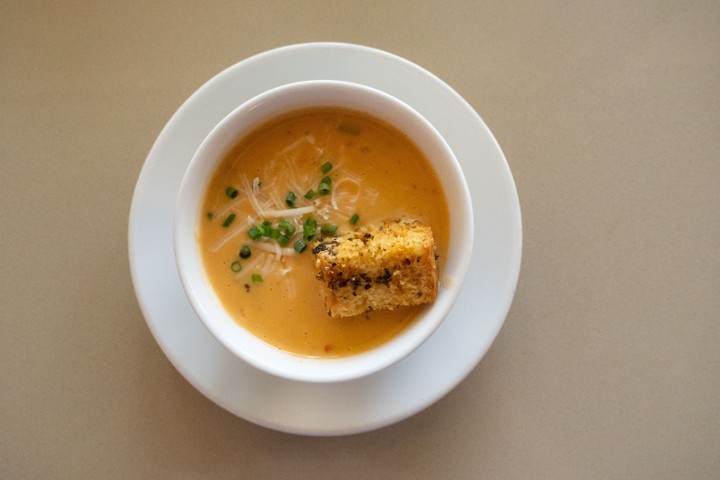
(608, 364)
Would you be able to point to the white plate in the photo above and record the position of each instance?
(390, 395)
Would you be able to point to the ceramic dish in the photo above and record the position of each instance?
(189, 217)
(384, 397)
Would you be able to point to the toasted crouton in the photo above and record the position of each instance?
(378, 267)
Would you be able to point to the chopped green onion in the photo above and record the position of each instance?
(235, 267)
(323, 188)
(286, 227)
(290, 198)
(326, 167)
(309, 228)
(256, 232)
(283, 239)
(210, 215)
(268, 230)
(328, 229)
(245, 251)
(310, 194)
(231, 192)
(229, 220)
(354, 219)
(299, 246)
(310, 222)
(256, 277)
(326, 179)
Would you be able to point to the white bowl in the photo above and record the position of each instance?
(257, 111)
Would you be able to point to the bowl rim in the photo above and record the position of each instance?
(242, 343)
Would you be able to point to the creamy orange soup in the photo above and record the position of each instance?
(336, 169)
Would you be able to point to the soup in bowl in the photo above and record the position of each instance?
(323, 231)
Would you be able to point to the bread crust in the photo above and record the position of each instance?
(386, 266)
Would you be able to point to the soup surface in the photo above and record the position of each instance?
(308, 174)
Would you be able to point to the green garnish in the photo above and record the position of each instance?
(299, 246)
(229, 220)
(323, 188)
(283, 239)
(235, 267)
(290, 199)
(256, 277)
(256, 232)
(310, 194)
(245, 251)
(326, 167)
(324, 185)
(354, 219)
(231, 192)
(210, 215)
(328, 229)
(286, 228)
(268, 230)
(309, 228)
